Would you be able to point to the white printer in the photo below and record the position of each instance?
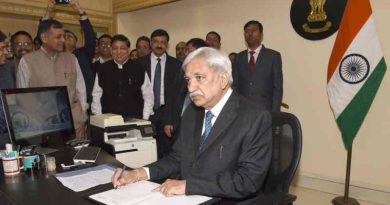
(130, 141)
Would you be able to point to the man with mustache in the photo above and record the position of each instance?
(163, 71)
(21, 43)
(143, 46)
(257, 71)
(181, 51)
(224, 147)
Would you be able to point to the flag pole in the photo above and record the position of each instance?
(346, 200)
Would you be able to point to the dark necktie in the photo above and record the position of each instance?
(207, 127)
(251, 62)
(157, 85)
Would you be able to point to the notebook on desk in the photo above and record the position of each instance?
(140, 193)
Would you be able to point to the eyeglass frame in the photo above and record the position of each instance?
(20, 44)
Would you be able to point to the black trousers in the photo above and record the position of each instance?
(164, 143)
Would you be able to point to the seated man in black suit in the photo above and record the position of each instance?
(224, 147)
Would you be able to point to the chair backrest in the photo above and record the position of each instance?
(286, 152)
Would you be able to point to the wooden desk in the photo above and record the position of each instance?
(43, 188)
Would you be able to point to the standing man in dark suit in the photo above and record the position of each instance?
(175, 107)
(232, 156)
(257, 71)
(163, 71)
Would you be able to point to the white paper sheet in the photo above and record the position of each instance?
(81, 180)
(140, 193)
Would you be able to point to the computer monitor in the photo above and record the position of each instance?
(38, 116)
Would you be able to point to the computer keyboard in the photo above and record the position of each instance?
(86, 154)
(44, 150)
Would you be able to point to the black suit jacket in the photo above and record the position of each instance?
(174, 106)
(265, 86)
(234, 159)
(171, 75)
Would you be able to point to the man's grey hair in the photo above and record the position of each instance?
(216, 60)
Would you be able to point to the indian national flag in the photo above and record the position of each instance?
(356, 68)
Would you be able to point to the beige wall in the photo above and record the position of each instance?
(304, 68)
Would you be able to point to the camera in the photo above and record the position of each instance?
(62, 1)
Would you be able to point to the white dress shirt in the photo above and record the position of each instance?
(153, 64)
(23, 79)
(146, 89)
(216, 110)
(256, 54)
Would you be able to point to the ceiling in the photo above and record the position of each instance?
(120, 6)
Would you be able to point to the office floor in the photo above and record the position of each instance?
(310, 197)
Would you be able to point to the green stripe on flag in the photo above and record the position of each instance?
(350, 120)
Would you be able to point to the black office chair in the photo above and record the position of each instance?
(287, 147)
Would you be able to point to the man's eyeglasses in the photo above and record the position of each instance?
(25, 44)
(105, 45)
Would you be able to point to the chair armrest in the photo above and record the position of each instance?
(276, 198)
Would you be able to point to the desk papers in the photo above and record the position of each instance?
(140, 193)
(83, 179)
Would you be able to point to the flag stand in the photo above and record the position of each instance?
(346, 200)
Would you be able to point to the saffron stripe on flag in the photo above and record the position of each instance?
(348, 31)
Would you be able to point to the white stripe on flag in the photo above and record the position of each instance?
(367, 44)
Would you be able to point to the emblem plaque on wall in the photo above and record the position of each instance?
(316, 19)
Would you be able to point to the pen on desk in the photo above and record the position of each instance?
(120, 175)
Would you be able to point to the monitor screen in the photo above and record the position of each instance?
(38, 116)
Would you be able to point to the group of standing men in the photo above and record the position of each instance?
(224, 145)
